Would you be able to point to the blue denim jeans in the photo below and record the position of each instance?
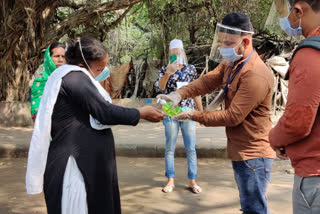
(252, 177)
(188, 129)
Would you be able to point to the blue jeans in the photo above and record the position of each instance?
(252, 177)
(188, 129)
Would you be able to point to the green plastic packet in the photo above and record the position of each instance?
(167, 107)
(173, 58)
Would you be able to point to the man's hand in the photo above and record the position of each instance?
(174, 97)
(185, 115)
(281, 153)
(151, 114)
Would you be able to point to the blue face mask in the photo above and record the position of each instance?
(286, 27)
(230, 54)
(103, 75)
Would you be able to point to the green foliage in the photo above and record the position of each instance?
(258, 10)
(135, 38)
(150, 25)
(259, 13)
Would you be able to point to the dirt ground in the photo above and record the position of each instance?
(141, 180)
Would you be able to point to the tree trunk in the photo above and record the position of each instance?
(27, 27)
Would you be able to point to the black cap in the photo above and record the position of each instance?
(238, 20)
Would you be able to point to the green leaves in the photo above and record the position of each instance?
(147, 29)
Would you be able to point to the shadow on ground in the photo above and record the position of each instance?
(141, 180)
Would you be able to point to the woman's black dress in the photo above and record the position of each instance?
(92, 149)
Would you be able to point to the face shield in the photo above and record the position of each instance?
(226, 43)
(282, 7)
(279, 11)
(177, 56)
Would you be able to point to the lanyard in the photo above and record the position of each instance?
(181, 74)
(225, 90)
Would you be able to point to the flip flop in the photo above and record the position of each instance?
(167, 189)
(195, 189)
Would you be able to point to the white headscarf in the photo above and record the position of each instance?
(180, 53)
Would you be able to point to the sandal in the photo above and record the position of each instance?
(195, 189)
(167, 189)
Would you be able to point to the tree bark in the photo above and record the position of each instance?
(27, 27)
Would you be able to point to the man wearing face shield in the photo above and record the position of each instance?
(172, 77)
(297, 133)
(247, 92)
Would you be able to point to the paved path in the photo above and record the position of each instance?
(140, 181)
(144, 140)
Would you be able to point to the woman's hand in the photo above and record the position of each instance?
(172, 68)
(151, 114)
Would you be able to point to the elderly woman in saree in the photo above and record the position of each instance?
(53, 58)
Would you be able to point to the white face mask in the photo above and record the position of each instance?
(286, 27)
(180, 60)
